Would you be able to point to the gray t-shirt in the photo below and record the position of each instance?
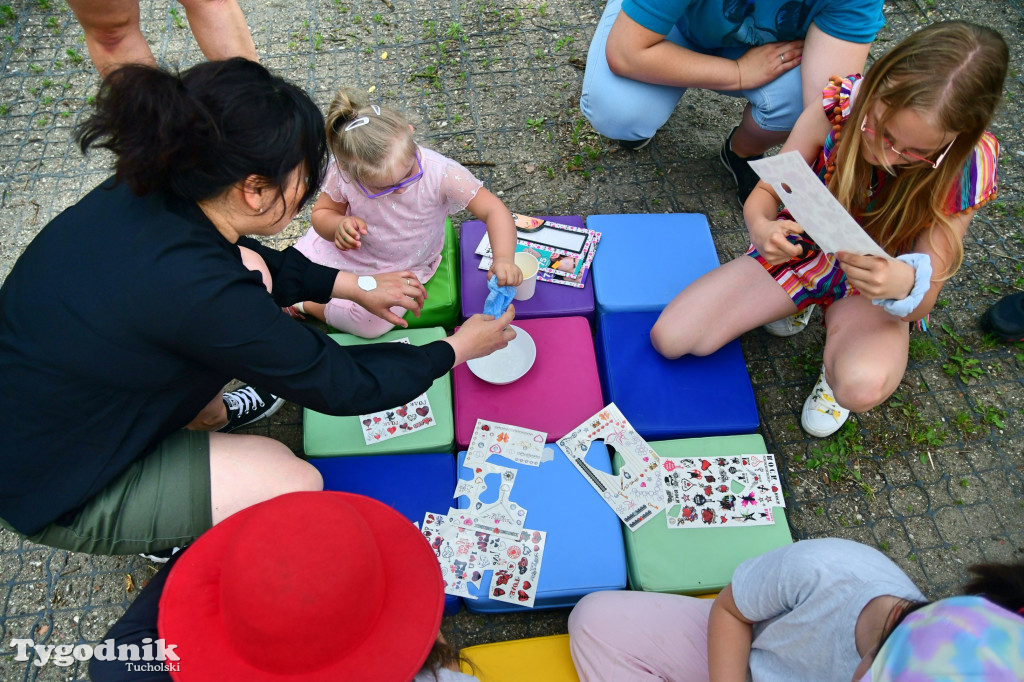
(805, 599)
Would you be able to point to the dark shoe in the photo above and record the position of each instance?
(745, 177)
(635, 145)
(161, 556)
(247, 405)
(1005, 319)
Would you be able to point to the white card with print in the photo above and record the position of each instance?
(636, 493)
(522, 446)
(721, 492)
(413, 416)
(813, 207)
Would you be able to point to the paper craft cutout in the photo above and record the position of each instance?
(721, 492)
(522, 446)
(413, 416)
(565, 253)
(821, 216)
(636, 493)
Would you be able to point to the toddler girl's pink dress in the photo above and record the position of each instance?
(404, 232)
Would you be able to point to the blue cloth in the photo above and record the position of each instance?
(498, 297)
(902, 307)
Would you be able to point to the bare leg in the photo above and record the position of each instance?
(112, 33)
(865, 353)
(246, 470)
(220, 29)
(211, 417)
(315, 309)
(718, 307)
(750, 139)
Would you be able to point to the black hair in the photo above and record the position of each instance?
(199, 132)
(1001, 584)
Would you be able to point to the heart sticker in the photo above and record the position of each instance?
(422, 411)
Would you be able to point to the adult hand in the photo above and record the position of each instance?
(350, 232)
(507, 272)
(481, 335)
(877, 277)
(769, 238)
(761, 65)
(400, 289)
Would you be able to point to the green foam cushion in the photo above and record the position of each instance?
(699, 560)
(441, 308)
(327, 436)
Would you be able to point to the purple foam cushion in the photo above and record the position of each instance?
(549, 300)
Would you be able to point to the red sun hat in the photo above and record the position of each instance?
(306, 586)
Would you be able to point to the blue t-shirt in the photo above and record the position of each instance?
(727, 23)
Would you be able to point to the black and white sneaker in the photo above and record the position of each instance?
(247, 405)
(162, 556)
(635, 145)
(745, 177)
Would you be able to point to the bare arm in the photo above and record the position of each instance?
(767, 234)
(327, 214)
(729, 639)
(826, 56)
(501, 232)
(641, 54)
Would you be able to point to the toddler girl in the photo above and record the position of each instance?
(906, 152)
(383, 208)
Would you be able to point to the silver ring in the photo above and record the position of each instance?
(783, 58)
(408, 282)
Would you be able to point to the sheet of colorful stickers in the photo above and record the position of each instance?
(698, 493)
(398, 421)
(717, 492)
(491, 535)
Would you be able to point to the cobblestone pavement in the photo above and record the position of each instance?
(932, 478)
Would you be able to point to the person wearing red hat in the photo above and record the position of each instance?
(311, 586)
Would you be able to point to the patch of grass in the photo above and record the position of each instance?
(835, 454)
(931, 436)
(536, 123)
(992, 415)
(820, 511)
(965, 423)
(429, 29)
(884, 546)
(923, 348)
(5, 109)
(455, 32)
(542, 8)
(963, 367)
(318, 41)
(964, 483)
(7, 14)
(73, 55)
(550, 171)
(178, 21)
(906, 407)
(808, 361)
(564, 41)
(430, 74)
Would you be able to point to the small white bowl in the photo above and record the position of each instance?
(508, 364)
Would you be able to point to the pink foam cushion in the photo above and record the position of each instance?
(560, 391)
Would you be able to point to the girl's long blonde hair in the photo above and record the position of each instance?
(951, 72)
(369, 152)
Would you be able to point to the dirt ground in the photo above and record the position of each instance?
(932, 477)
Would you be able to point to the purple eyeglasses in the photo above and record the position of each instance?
(404, 183)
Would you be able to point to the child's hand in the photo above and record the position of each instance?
(350, 232)
(877, 277)
(770, 240)
(507, 272)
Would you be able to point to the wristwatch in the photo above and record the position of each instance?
(366, 283)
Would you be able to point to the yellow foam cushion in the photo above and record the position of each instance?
(549, 660)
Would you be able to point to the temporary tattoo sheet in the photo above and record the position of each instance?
(721, 492)
(517, 570)
(636, 493)
(413, 416)
(520, 445)
(455, 552)
(823, 218)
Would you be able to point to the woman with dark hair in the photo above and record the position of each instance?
(133, 307)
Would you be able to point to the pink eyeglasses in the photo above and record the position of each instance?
(906, 156)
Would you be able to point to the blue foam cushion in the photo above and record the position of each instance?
(584, 550)
(691, 396)
(410, 484)
(644, 260)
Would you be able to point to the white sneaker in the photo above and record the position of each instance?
(822, 415)
(794, 324)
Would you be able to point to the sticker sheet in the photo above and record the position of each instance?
(565, 253)
(413, 416)
(636, 493)
(517, 569)
(823, 218)
(721, 492)
(455, 552)
(520, 445)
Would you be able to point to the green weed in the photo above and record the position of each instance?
(923, 348)
(455, 32)
(834, 455)
(808, 361)
(536, 123)
(178, 21)
(965, 368)
(73, 55)
(931, 436)
(992, 415)
(542, 8)
(965, 422)
(6, 14)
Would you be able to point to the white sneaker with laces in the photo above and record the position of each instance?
(822, 415)
(247, 405)
(794, 324)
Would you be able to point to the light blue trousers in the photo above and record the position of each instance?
(626, 109)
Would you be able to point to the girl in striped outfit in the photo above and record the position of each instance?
(906, 151)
